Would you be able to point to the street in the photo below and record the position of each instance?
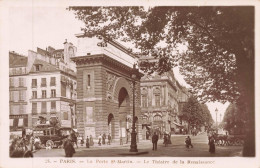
(176, 149)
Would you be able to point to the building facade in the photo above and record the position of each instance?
(105, 89)
(18, 91)
(159, 102)
(49, 87)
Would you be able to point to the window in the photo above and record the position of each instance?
(63, 89)
(53, 81)
(37, 67)
(65, 116)
(11, 82)
(11, 96)
(34, 108)
(43, 109)
(88, 80)
(21, 95)
(43, 84)
(144, 100)
(34, 83)
(34, 94)
(21, 83)
(43, 94)
(157, 100)
(53, 93)
(53, 105)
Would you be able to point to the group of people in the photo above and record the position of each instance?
(102, 138)
(23, 146)
(188, 142)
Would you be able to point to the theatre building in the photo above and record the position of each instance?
(105, 83)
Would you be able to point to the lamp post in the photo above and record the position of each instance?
(71, 114)
(133, 146)
(216, 119)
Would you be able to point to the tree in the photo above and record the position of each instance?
(218, 61)
(234, 119)
(192, 112)
(207, 116)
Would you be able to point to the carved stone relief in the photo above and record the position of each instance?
(110, 82)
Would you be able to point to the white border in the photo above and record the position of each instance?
(6, 162)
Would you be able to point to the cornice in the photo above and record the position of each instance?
(101, 59)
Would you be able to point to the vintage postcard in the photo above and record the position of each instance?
(129, 84)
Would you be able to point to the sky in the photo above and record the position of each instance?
(41, 27)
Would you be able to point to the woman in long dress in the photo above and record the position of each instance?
(91, 142)
(211, 145)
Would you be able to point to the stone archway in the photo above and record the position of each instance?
(122, 95)
(123, 111)
(111, 125)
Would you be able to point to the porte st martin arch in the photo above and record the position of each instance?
(105, 89)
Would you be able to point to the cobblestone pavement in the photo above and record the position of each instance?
(176, 149)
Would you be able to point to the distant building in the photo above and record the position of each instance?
(47, 87)
(161, 101)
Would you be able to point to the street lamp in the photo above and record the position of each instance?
(216, 119)
(71, 114)
(133, 146)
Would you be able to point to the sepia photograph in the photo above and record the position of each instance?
(130, 85)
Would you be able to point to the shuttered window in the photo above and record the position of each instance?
(34, 108)
(53, 105)
(44, 107)
(53, 81)
(34, 83)
(21, 82)
(43, 83)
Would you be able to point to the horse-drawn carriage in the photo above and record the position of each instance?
(229, 140)
(51, 136)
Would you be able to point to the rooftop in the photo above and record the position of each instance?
(17, 60)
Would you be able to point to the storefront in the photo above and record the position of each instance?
(17, 122)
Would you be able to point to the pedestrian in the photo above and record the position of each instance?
(81, 141)
(165, 139)
(155, 140)
(23, 133)
(74, 138)
(91, 142)
(188, 142)
(32, 142)
(99, 140)
(68, 147)
(109, 139)
(104, 139)
(211, 145)
(87, 142)
(169, 138)
(121, 141)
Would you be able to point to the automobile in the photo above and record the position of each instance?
(51, 136)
